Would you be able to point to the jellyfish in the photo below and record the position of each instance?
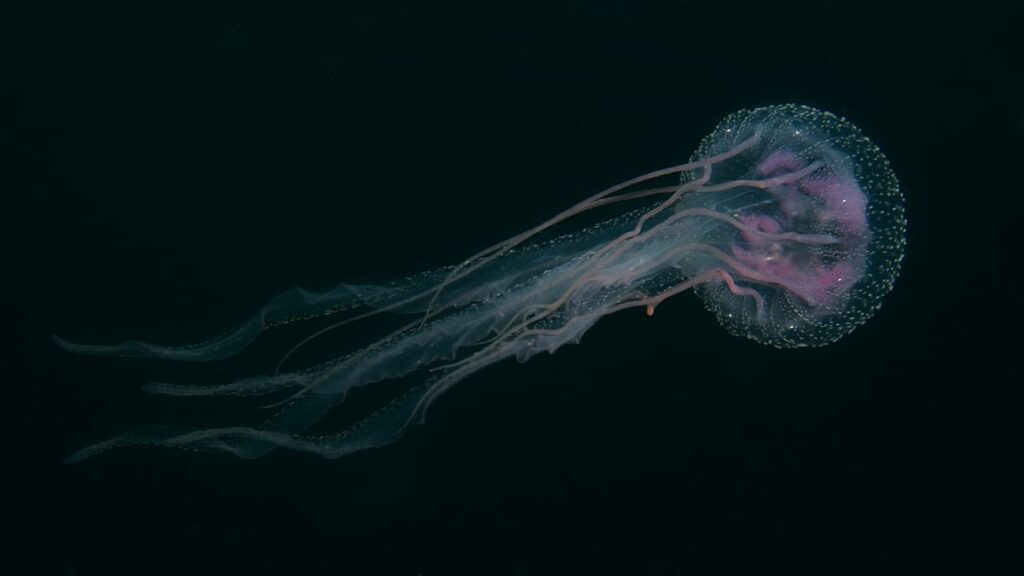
(787, 222)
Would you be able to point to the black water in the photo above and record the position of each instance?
(172, 165)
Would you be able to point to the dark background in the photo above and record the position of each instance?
(173, 164)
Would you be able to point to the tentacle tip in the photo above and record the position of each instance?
(65, 344)
(77, 456)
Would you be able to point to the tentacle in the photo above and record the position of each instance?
(380, 428)
(289, 306)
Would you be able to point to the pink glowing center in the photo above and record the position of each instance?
(833, 204)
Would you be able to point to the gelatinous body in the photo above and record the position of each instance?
(787, 221)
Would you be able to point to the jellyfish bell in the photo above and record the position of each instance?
(787, 221)
(813, 293)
